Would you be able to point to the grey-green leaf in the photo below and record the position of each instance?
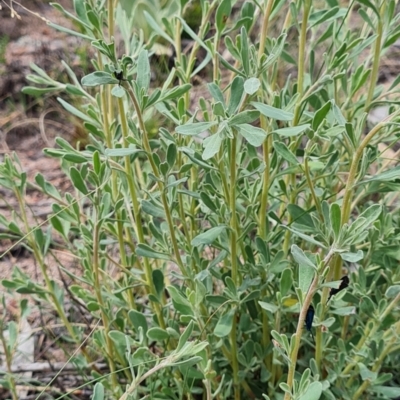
(272, 112)
(98, 78)
(211, 145)
(194, 128)
(251, 85)
(224, 325)
(292, 131)
(283, 151)
(300, 256)
(144, 250)
(209, 236)
(313, 392)
(255, 136)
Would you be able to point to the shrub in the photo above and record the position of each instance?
(206, 244)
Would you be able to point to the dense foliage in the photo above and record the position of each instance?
(210, 228)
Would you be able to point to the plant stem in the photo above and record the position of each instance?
(234, 267)
(297, 336)
(346, 204)
(160, 183)
(138, 220)
(369, 333)
(301, 60)
(99, 297)
(376, 57)
(300, 324)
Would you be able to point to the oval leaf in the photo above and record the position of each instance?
(255, 136)
(224, 325)
(98, 78)
(272, 112)
(292, 131)
(209, 236)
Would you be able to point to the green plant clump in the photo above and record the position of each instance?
(267, 202)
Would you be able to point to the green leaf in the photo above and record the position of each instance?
(222, 14)
(98, 391)
(244, 117)
(171, 154)
(251, 85)
(138, 320)
(194, 128)
(272, 308)
(306, 275)
(70, 31)
(292, 131)
(255, 136)
(285, 153)
(388, 391)
(344, 311)
(185, 336)
(158, 280)
(157, 334)
(74, 111)
(157, 28)
(77, 180)
(209, 236)
(36, 92)
(244, 51)
(365, 373)
(300, 216)
(118, 91)
(211, 145)
(143, 71)
(98, 78)
(75, 158)
(370, 5)
(308, 238)
(335, 216)
(300, 256)
(352, 257)
(216, 93)
(144, 250)
(392, 291)
(327, 14)
(122, 152)
(152, 209)
(371, 214)
(286, 281)
(313, 392)
(224, 325)
(390, 175)
(181, 304)
(272, 112)
(176, 92)
(320, 115)
(237, 92)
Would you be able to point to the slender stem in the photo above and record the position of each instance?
(234, 360)
(355, 162)
(234, 266)
(301, 61)
(232, 206)
(160, 183)
(369, 333)
(264, 29)
(311, 187)
(376, 57)
(138, 219)
(297, 337)
(8, 357)
(99, 297)
(300, 324)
